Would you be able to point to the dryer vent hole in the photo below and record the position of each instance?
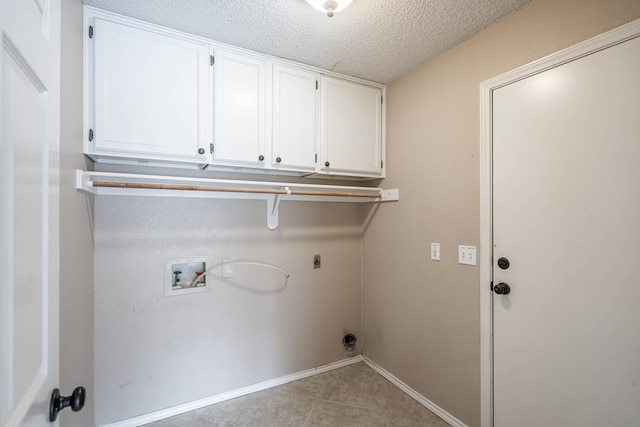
(349, 342)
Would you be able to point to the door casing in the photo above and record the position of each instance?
(603, 41)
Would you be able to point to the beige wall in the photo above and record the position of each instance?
(76, 247)
(421, 317)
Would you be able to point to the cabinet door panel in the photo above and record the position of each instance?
(239, 109)
(352, 127)
(151, 93)
(294, 118)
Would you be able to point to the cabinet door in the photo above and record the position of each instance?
(239, 110)
(295, 111)
(351, 128)
(150, 96)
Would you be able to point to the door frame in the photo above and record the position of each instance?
(588, 47)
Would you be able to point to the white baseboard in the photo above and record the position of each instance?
(453, 421)
(201, 403)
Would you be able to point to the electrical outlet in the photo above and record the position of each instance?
(467, 255)
(435, 251)
(227, 270)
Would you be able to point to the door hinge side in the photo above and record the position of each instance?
(316, 85)
(90, 31)
(90, 135)
(213, 60)
(316, 157)
(211, 148)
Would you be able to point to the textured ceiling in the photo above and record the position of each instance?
(378, 40)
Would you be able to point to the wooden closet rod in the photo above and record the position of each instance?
(140, 185)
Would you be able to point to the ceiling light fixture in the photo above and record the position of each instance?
(329, 6)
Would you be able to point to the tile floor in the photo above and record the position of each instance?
(355, 395)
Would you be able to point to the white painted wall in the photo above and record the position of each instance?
(154, 352)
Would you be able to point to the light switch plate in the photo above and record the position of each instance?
(466, 255)
(435, 251)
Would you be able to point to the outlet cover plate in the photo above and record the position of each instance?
(435, 251)
(227, 269)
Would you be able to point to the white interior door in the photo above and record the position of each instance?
(566, 206)
(29, 123)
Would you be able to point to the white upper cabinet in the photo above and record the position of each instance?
(351, 128)
(295, 113)
(240, 110)
(148, 95)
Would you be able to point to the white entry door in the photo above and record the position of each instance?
(566, 206)
(29, 181)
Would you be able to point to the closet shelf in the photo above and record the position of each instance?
(123, 184)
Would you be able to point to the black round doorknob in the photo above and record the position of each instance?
(278, 159)
(502, 288)
(58, 403)
(503, 263)
(200, 150)
(261, 157)
(326, 164)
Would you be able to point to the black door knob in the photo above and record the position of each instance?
(200, 150)
(502, 288)
(278, 159)
(261, 157)
(326, 164)
(58, 403)
(503, 263)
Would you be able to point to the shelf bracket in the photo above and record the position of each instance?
(272, 211)
(273, 203)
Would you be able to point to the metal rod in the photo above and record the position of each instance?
(151, 186)
(333, 193)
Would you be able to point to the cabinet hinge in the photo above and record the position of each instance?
(90, 134)
(316, 85)
(211, 148)
(213, 60)
(90, 31)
